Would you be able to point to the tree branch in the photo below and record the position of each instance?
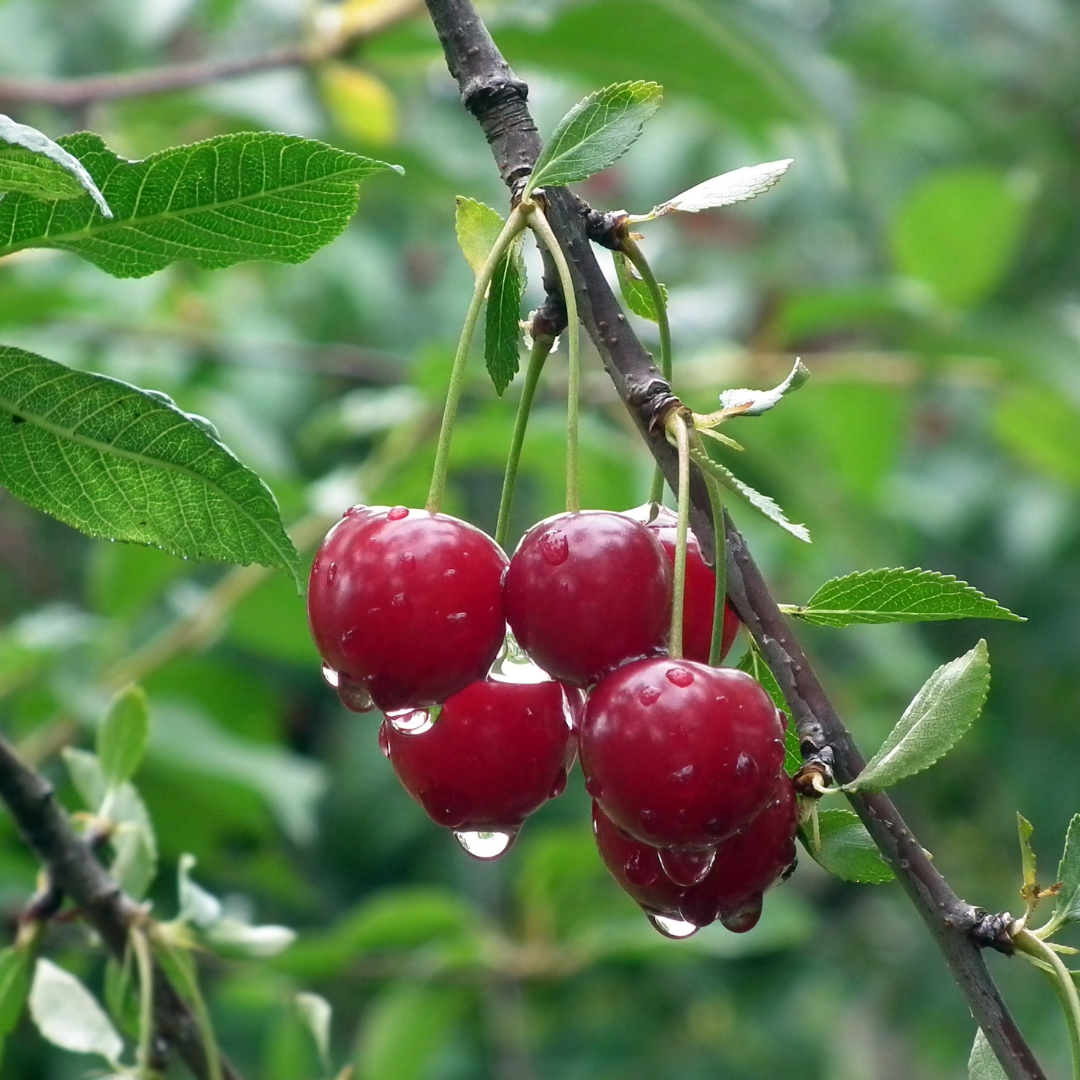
(497, 99)
(74, 869)
(78, 93)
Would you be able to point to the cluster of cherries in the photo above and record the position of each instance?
(693, 813)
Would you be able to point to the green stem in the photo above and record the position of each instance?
(678, 590)
(641, 264)
(720, 570)
(540, 223)
(180, 970)
(515, 224)
(144, 961)
(540, 350)
(1061, 979)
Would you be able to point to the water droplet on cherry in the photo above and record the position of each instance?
(671, 928)
(396, 513)
(593, 787)
(331, 573)
(648, 695)
(559, 786)
(331, 677)
(408, 561)
(354, 695)
(678, 676)
(745, 765)
(554, 548)
(412, 721)
(640, 870)
(740, 921)
(687, 867)
(384, 741)
(485, 845)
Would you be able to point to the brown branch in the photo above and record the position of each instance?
(490, 90)
(74, 870)
(78, 93)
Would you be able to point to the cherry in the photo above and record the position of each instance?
(700, 588)
(745, 866)
(407, 603)
(493, 754)
(679, 754)
(588, 591)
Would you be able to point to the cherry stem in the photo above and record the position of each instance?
(678, 589)
(641, 264)
(540, 350)
(515, 225)
(1062, 982)
(540, 224)
(716, 502)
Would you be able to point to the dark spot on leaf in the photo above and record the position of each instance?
(18, 419)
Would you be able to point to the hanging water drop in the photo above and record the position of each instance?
(331, 676)
(687, 867)
(485, 845)
(671, 927)
(354, 695)
(412, 721)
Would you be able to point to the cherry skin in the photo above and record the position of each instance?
(745, 866)
(496, 752)
(700, 588)
(678, 754)
(407, 603)
(586, 592)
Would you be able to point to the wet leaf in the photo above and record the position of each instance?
(846, 849)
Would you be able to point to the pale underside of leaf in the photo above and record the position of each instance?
(68, 1015)
(55, 164)
(941, 712)
(595, 133)
(755, 498)
(728, 188)
(755, 402)
(251, 195)
(114, 461)
(983, 1063)
(897, 595)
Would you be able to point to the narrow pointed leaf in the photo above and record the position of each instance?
(316, 1014)
(940, 713)
(846, 849)
(983, 1063)
(197, 906)
(730, 187)
(595, 133)
(1027, 853)
(634, 291)
(897, 595)
(30, 162)
(478, 227)
(502, 322)
(14, 987)
(68, 1015)
(251, 195)
(1067, 909)
(755, 498)
(118, 462)
(121, 739)
(753, 663)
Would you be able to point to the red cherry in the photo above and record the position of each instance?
(407, 603)
(679, 754)
(700, 588)
(745, 866)
(496, 752)
(586, 592)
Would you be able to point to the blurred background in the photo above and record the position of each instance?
(921, 256)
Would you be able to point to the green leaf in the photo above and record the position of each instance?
(958, 232)
(316, 1014)
(753, 663)
(846, 849)
(121, 739)
(406, 1027)
(68, 1015)
(1041, 427)
(14, 987)
(251, 195)
(502, 325)
(595, 133)
(983, 1063)
(634, 291)
(758, 501)
(1067, 908)
(897, 595)
(32, 163)
(1027, 852)
(940, 713)
(478, 227)
(118, 462)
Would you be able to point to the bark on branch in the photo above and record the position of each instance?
(498, 100)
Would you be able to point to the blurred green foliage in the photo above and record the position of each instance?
(920, 256)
